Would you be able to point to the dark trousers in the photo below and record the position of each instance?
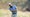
(14, 13)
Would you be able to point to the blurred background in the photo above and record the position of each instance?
(19, 3)
(21, 6)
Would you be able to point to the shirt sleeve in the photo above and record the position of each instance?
(15, 6)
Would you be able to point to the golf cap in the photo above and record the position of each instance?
(9, 3)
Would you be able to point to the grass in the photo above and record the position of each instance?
(4, 12)
(19, 13)
(23, 14)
